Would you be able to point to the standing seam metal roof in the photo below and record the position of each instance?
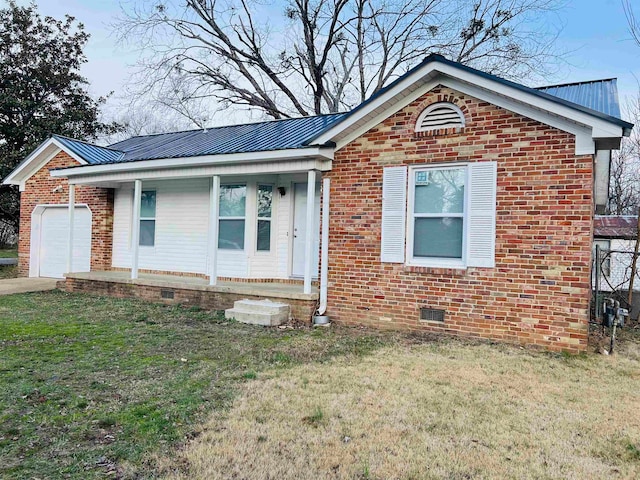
(597, 98)
(599, 95)
(253, 137)
(93, 154)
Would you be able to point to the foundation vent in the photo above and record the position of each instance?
(431, 315)
(168, 294)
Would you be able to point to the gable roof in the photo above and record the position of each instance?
(598, 95)
(615, 226)
(432, 67)
(586, 109)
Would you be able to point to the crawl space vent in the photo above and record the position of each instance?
(166, 294)
(431, 315)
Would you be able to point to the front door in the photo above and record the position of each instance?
(300, 230)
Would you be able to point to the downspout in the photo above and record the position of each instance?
(324, 253)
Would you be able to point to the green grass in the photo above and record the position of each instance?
(93, 387)
(8, 253)
(8, 271)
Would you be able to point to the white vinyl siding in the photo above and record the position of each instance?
(182, 225)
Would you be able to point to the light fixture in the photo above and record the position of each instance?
(282, 191)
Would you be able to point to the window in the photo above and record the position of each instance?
(148, 218)
(232, 217)
(265, 200)
(605, 255)
(437, 216)
(448, 219)
(440, 115)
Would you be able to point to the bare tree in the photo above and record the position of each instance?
(624, 181)
(632, 20)
(303, 57)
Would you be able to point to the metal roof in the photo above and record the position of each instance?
(615, 226)
(92, 154)
(538, 93)
(252, 137)
(599, 95)
(597, 98)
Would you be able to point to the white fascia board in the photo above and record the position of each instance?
(36, 160)
(233, 158)
(600, 128)
(389, 95)
(109, 179)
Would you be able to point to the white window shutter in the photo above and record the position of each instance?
(394, 211)
(481, 238)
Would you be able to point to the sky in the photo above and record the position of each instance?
(595, 35)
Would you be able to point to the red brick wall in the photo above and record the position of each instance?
(39, 190)
(538, 292)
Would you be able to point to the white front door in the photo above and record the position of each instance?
(54, 235)
(300, 230)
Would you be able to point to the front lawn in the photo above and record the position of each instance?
(8, 253)
(93, 387)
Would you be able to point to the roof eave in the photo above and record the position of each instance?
(184, 162)
(429, 67)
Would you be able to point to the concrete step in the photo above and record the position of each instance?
(261, 306)
(258, 312)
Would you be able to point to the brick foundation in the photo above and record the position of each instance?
(538, 292)
(301, 310)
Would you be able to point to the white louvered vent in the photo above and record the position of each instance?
(440, 115)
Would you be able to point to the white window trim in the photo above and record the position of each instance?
(270, 219)
(436, 262)
(246, 207)
(431, 108)
(155, 230)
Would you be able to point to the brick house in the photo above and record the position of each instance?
(451, 201)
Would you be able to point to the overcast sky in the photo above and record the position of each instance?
(595, 33)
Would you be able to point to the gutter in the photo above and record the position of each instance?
(324, 253)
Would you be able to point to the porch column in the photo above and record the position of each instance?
(309, 261)
(135, 232)
(72, 211)
(214, 208)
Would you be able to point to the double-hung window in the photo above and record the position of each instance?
(265, 205)
(148, 218)
(437, 214)
(233, 199)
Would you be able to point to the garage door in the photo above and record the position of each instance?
(54, 233)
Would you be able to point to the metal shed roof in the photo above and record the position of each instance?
(599, 95)
(615, 226)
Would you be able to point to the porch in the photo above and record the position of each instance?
(185, 290)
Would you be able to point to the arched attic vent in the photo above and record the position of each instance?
(440, 115)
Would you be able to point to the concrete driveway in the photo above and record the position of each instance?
(23, 285)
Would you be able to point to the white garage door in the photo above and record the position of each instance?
(54, 233)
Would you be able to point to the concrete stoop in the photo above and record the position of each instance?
(259, 312)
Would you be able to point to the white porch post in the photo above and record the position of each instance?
(135, 233)
(309, 261)
(72, 210)
(214, 208)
